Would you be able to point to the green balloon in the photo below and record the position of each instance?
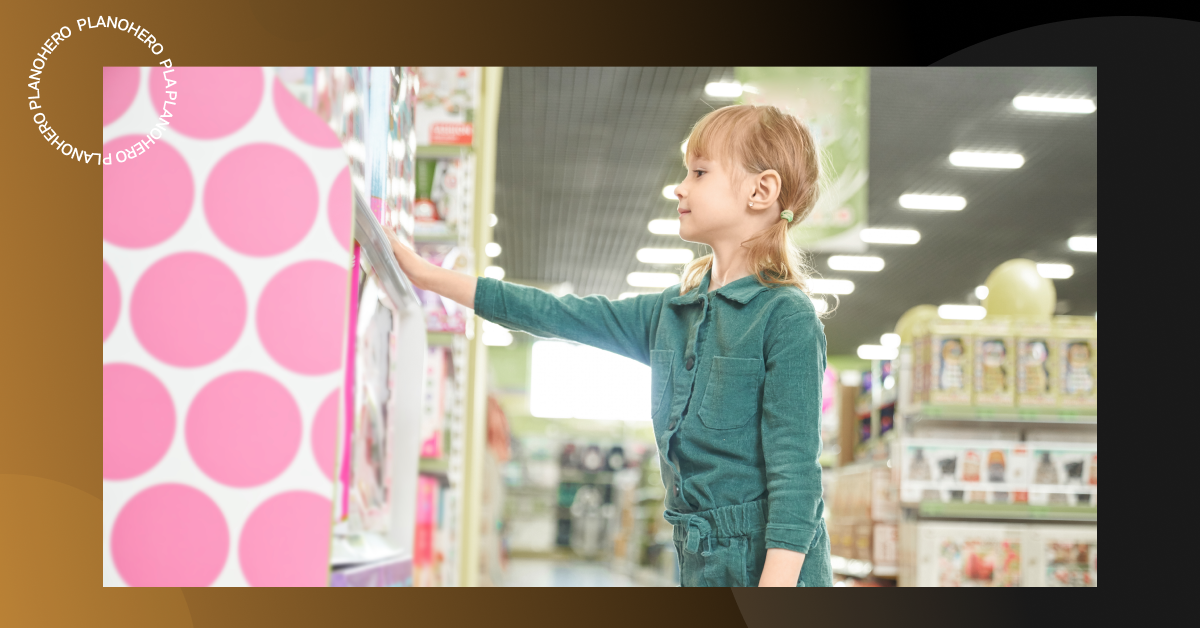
(1015, 288)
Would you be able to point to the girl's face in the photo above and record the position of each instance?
(712, 203)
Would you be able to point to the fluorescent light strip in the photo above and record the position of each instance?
(1054, 105)
(1086, 244)
(664, 226)
(494, 272)
(877, 352)
(890, 236)
(962, 312)
(831, 286)
(863, 263)
(932, 201)
(890, 341)
(969, 159)
(820, 305)
(723, 90)
(981, 292)
(683, 147)
(491, 249)
(1055, 271)
(665, 256)
(652, 280)
(669, 193)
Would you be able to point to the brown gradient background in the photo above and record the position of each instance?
(50, 389)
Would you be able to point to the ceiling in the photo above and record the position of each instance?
(583, 155)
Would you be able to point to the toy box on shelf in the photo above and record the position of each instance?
(862, 519)
(446, 106)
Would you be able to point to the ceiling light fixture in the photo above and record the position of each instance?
(723, 90)
(890, 236)
(820, 305)
(864, 263)
(664, 226)
(494, 272)
(669, 193)
(831, 286)
(1085, 244)
(962, 312)
(969, 159)
(652, 280)
(932, 201)
(665, 256)
(1054, 105)
(877, 352)
(1055, 271)
(491, 249)
(683, 147)
(491, 220)
(981, 292)
(890, 341)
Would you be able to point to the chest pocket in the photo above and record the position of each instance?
(731, 397)
(660, 379)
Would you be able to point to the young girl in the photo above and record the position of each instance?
(736, 352)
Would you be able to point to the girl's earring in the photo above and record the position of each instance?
(752, 203)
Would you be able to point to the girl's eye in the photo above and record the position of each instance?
(698, 173)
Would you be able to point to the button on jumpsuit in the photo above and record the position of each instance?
(735, 401)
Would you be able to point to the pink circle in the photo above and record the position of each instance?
(324, 434)
(303, 122)
(300, 317)
(120, 87)
(339, 208)
(285, 542)
(188, 309)
(139, 421)
(209, 102)
(170, 535)
(260, 199)
(147, 198)
(243, 429)
(112, 300)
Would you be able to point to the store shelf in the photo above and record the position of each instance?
(393, 572)
(983, 414)
(442, 338)
(1015, 512)
(438, 468)
(443, 150)
(435, 232)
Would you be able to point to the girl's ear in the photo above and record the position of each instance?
(766, 189)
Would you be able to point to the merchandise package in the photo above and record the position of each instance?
(1064, 556)
(441, 313)
(1063, 474)
(920, 364)
(950, 363)
(434, 408)
(440, 188)
(1076, 336)
(946, 470)
(423, 543)
(994, 362)
(1037, 368)
(964, 554)
(446, 105)
(883, 547)
(370, 489)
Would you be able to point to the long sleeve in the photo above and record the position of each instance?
(622, 327)
(791, 431)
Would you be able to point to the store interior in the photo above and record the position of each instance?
(327, 423)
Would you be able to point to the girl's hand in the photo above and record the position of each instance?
(413, 265)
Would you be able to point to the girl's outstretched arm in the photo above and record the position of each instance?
(453, 285)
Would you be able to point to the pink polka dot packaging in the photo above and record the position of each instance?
(227, 275)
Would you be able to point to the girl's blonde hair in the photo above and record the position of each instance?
(760, 138)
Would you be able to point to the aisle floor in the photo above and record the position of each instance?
(539, 572)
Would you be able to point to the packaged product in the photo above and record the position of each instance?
(1037, 367)
(994, 362)
(950, 362)
(1076, 339)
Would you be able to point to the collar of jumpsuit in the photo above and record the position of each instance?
(735, 398)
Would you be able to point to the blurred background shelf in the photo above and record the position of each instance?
(1007, 512)
(984, 414)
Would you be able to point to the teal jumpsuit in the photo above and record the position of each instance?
(735, 401)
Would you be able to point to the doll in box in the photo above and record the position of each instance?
(1037, 373)
(994, 375)
(1092, 472)
(996, 466)
(1078, 376)
(919, 468)
(971, 466)
(1046, 473)
(946, 467)
(951, 375)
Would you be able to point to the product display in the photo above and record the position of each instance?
(1076, 339)
(1037, 365)
(445, 112)
(994, 364)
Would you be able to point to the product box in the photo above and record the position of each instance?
(372, 439)
(920, 364)
(1076, 340)
(433, 409)
(950, 350)
(440, 188)
(1037, 364)
(994, 362)
(883, 547)
(951, 470)
(446, 105)
(1063, 556)
(964, 554)
(1063, 474)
